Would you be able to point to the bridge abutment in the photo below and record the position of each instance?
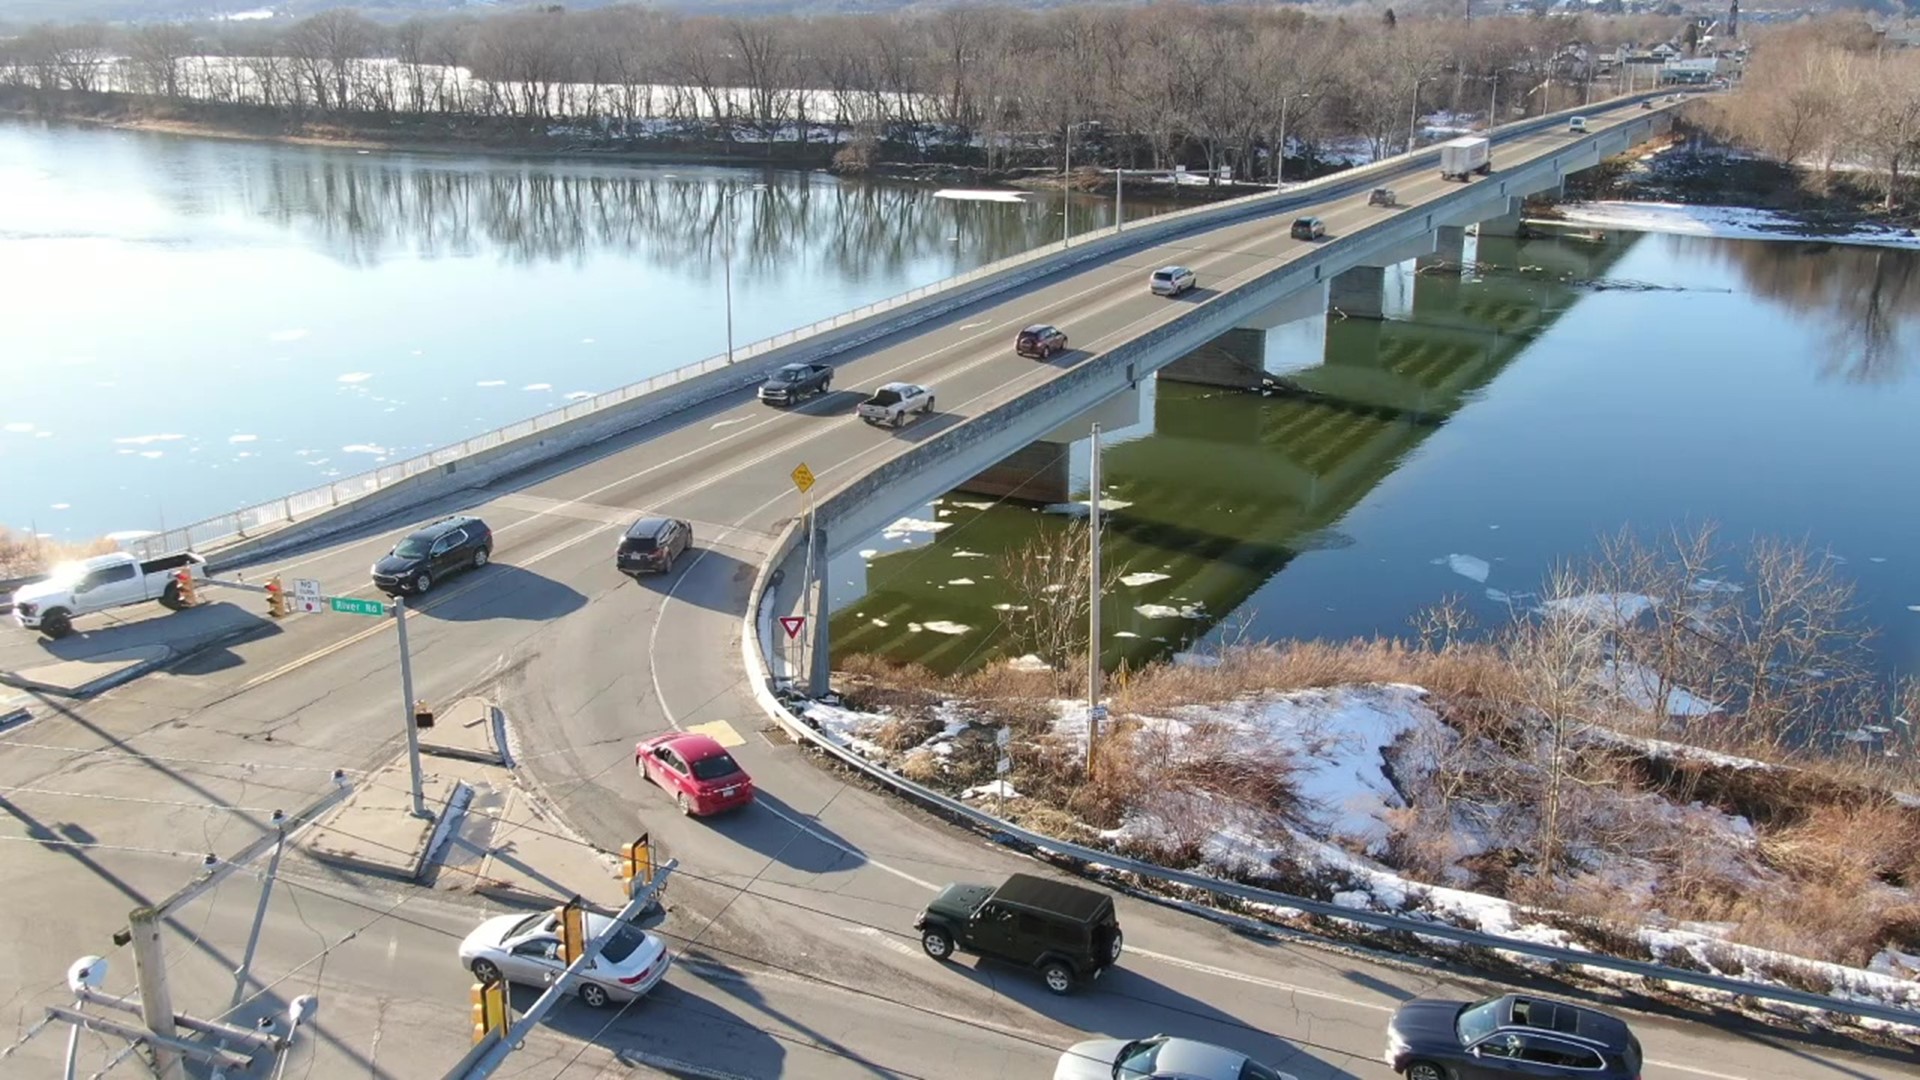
(1506, 224)
(1036, 473)
(1283, 338)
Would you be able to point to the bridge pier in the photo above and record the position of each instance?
(1507, 224)
(1450, 244)
(1035, 473)
(1281, 339)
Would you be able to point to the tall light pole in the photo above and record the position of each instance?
(1413, 114)
(1093, 603)
(1066, 185)
(726, 258)
(1280, 151)
(1493, 106)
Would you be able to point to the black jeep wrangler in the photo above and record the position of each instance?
(1067, 933)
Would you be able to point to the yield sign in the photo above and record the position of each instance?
(792, 624)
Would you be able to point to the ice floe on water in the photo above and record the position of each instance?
(1164, 611)
(538, 386)
(1029, 662)
(909, 526)
(942, 626)
(152, 453)
(969, 504)
(962, 581)
(364, 448)
(579, 395)
(243, 438)
(868, 553)
(1471, 567)
(63, 506)
(1079, 509)
(491, 382)
(976, 195)
(1729, 221)
(1616, 609)
(356, 377)
(969, 555)
(287, 335)
(126, 535)
(20, 427)
(1144, 577)
(144, 440)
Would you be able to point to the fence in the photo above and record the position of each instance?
(251, 520)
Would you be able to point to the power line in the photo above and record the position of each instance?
(171, 760)
(146, 802)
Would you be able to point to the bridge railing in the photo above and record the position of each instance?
(246, 522)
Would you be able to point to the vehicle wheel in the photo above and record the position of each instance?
(1425, 1070)
(938, 943)
(485, 970)
(1113, 951)
(929, 409)
(593, 995)
(686, 807)
(1058, 976)
(422, 583)
(56, 624)
(480, 558)
(667, 567)
(170, 597)
(827, 387)
(899, 418)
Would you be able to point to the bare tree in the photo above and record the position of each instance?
(1050, 593)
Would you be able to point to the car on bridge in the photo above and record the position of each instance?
(1040, 341)
(792, 382)
(893, 403)
(1308, 228)
(696, 770)
(1383, 196)
(434, 551)
(525, 949)
(1512, 1035)
(1166, 281)
(652, 543)
(1157, 1058)
(1068, 933)
(1577, 125)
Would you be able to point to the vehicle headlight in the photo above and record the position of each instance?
(1394, 1042)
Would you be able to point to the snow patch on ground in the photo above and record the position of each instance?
(1735, 222)
(968, 195)
(1144, 577)
(998, 789)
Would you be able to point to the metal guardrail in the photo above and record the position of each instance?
(300, 505)
(754, 640)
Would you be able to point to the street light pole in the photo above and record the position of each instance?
(1066, 185)
(1493, 106)
(406, 707)
(1093, 602)
(1413, 115)
(1119, 180)
(726, 258)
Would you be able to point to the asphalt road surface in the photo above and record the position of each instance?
(792, 919)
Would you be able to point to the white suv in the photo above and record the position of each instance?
(1171, 281)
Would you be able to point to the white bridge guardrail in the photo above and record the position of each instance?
(755, 640)
(243, 522)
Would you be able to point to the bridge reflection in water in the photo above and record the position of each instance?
(1216, 491)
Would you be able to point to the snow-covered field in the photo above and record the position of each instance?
(1734, 222)
(1350, 752)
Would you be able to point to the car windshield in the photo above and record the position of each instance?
(1253, 1070)
(527, 925)
(1476, 1022)
(1136, 1059)
(413, 547)
(790, 374)
(1163, 275)
(886, 397)
(715, 767)
(624, 941)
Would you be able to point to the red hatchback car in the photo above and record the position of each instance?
(697, 771)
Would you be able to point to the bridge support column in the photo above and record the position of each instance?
(1036, 473)
(1359, 293)
(1235, 360)
(1507, 224)
(1450, 244)
(819, 636)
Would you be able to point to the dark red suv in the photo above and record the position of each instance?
(1040, 341)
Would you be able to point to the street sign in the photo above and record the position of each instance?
(1099, 712)
(802, 477)
(306, 594)
(347, 605)
(793, 624)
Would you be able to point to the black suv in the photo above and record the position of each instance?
(652, 543)
(432, 552)
(1067, 933)
(1514, 1035)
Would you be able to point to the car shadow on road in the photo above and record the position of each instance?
(501, 591)
(670, 1031)
(926, 427)
(1125, 1004)
(767, 828)
(704, 577)
(1067, 359)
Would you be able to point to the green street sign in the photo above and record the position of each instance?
(347, 605)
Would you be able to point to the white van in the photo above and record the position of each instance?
(1577, 124)
(1171, 281)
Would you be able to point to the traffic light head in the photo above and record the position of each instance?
(276, 599)
(183, 581)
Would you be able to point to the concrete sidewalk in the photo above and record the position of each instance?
(488, 833)
(111, 648)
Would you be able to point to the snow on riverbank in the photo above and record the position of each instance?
(1341, 748)
(1733, 222)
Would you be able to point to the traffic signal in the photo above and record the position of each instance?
(489, 1001)
(639, 860)
(276, 599)
(422, 715)
(188, 597)
(573, 931)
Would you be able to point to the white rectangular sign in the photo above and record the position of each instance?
(306, 588)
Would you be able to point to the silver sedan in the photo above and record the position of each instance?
(1159, 1058)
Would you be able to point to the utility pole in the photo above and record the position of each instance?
(406, 707)
(1066, 192)
(1119, 179)
(1093, 602)
(156, 1003)
(726, 260)
(1493, 106)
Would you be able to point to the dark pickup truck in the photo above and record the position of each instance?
(796, 381)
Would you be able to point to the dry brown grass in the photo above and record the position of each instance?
(23, 555)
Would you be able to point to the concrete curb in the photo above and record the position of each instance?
(443, 826)
(97, 686)
(13, 716)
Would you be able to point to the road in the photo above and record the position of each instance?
(792, 918)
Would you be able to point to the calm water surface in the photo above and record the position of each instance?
(191, 325)
(1513, 417)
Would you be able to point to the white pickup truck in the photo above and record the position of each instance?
(894, 402)
(99, 583)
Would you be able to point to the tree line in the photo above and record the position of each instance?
(1137, 86)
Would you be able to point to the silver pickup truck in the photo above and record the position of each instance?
(100, 583)
(894, 402)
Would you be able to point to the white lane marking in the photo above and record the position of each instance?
(728, 423)
(886, 940)
(1652, 1063)
(1255, 980)
(860, 855)
(672, 1066)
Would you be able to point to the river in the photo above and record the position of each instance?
(193, 325)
